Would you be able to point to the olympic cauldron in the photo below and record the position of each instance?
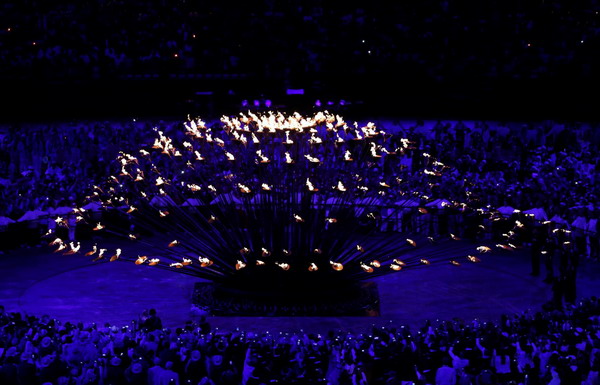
(279, 207)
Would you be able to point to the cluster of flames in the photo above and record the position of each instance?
(247, 155)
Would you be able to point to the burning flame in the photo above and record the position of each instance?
(205, 262)
(92, 252)
(373, 150)
(336, 266)
(312, 159)
(310, 186)
(288, 158)
(74, 248)
(116, 256)
(244, 189)
(263, 159)
(283, 266)
(315, 139)
(366, 268)
(287, 138)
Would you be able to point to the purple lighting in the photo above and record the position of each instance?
(295, 91)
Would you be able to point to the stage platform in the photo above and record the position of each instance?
(70, 288)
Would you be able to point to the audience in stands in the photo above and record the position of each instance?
(289, 41)
(542, 347)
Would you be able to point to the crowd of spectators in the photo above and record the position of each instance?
(548, 166)
(443, 54)
(532, 347)
(42, 166)
(291, 40)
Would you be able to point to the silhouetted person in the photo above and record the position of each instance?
(204, 325)
(486, 376)
(26, 370)
(558, 290)
(446, 374)
(8, 371)
(570, 285)
(153, 322)
(548, 256)
(538, 243)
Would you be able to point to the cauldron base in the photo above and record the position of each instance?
(357, 299)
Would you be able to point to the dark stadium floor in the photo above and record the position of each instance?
(36, 281)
